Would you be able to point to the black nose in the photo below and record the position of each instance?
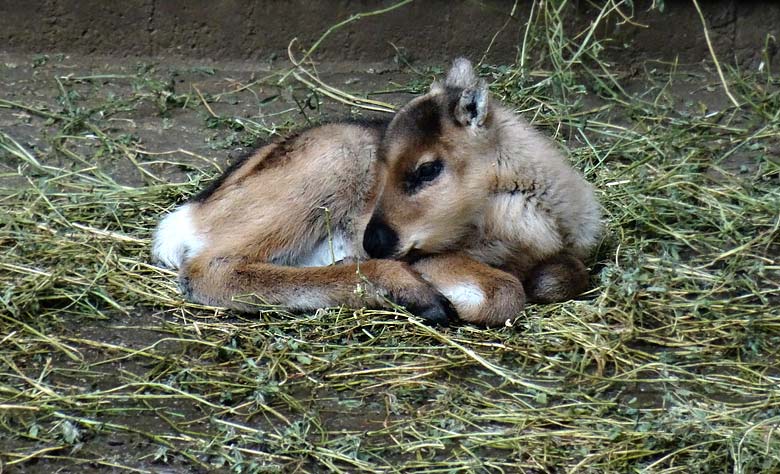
(379, 240)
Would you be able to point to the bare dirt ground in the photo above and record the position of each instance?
(164, 127)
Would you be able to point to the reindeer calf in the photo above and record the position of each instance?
(456, 207)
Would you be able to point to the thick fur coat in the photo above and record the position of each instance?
(455, 208)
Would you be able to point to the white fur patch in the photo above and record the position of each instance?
(321, 255)
(176, 238)
(464, 295)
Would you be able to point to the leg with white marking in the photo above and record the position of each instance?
(239, 283)
(480, 293)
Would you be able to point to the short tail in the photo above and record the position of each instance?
(176, 238)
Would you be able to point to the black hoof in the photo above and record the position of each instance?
(441, 313)
(185, 287)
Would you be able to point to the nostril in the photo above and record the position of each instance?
(379, 240)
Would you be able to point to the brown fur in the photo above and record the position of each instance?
(502, 208)
(503, 292)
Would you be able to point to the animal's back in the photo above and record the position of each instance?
(277, 203)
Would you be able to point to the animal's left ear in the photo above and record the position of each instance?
(472, 107)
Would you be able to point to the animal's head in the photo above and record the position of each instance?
(435, 167)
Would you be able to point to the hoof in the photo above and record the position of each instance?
(439, 313)
(185, 287)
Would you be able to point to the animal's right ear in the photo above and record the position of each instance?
(472, 107)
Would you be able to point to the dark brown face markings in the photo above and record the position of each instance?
(422, 175)
(416, 128)
(427, 118)
(415, 132)
(420, 124)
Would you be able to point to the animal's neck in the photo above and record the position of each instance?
(513, 168)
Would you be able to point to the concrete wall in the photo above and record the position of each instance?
(427, 29)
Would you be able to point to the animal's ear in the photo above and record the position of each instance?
(461, 74)
(472, 107)
(436, 87)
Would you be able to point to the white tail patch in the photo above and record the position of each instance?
(321, 255)
(176, 238)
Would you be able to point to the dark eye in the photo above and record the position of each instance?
(424, 173)
(428, 171)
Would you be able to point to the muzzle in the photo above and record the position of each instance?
(380, 240)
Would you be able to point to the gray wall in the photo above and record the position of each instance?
(427, 29)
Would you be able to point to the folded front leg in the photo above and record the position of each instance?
(236, 283)
(480, 293)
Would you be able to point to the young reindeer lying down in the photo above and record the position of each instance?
(455, 208)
